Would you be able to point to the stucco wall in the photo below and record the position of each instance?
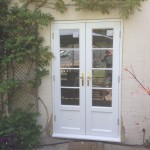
(136, 52)
(135, 106)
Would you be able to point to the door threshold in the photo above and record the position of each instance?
(86, 137)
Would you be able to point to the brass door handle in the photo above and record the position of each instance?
(82, 79)
(88, 79)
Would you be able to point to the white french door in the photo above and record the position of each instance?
(85, 75)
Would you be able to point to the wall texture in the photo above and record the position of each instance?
(135, 104)
(136, 52)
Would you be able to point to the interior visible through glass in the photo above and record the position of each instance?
(102, 97)
(69, 96)
(69, 38)
(70, 78)
(102, 38)
(69, 58)
(69, 66)
(102, 67)
(102, 58)
(102, 78)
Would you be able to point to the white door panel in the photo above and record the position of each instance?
(86, 70)
(69, 107)
(98, 120)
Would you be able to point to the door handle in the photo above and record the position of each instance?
(82, 77)
(88, 79)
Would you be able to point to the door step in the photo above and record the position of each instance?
(85, 146)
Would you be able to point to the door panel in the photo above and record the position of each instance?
(86, 70)
(69, 90)
(102, 72)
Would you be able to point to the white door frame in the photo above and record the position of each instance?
(89, 137)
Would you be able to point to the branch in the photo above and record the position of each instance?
(139, 82)
(42, 4)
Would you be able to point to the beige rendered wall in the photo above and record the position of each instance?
(136, 52)
(135, 106)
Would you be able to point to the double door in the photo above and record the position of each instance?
(86, 79)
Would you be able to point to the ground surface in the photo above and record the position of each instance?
(57, 144)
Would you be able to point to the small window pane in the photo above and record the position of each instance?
(70, 78)
(69, 38)
(102, 98)
(102, 58)
(69, 96)
(102, 38)
(102, 78)
(69, 58)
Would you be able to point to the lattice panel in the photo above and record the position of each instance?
(25, 94)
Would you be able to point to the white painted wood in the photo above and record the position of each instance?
(86, 137)
(70, 119)
(98, 121)
(85, 121)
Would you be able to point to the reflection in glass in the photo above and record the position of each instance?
(69, 96)
(102, 98)
(102, 58)
(69, 58)
(102, 38)
(70, 78)
(102, 78)
(69, 38)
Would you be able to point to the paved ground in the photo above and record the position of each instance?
(54, 144)
(58, 144)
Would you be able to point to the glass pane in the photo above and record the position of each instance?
(102, 38)
(70, 78)
(102, 58)
(70, 96)
(69, 58)
(102, 78)
(69, 38)
(102, 98)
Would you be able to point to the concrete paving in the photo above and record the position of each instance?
(55, 147)
(62, 144)
(117, 147)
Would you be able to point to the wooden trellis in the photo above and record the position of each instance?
(23, 95)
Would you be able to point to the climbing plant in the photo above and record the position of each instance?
(125, 7)
(23, 59)
(21, 43)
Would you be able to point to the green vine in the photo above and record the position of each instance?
(126, 7)
(20, 40)
(21, 43)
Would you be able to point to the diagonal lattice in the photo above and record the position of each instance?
(25, 94)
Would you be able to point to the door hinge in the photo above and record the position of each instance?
(54, 117)
(52, 35)
(118, 79)
(53, 78)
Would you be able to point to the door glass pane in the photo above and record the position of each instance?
(102, 97)
(102, 78)
(69, 38)
(102, 38)
(69, 96)
(102, 58)
(102, 67)
(70, 78)
(69, 58)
